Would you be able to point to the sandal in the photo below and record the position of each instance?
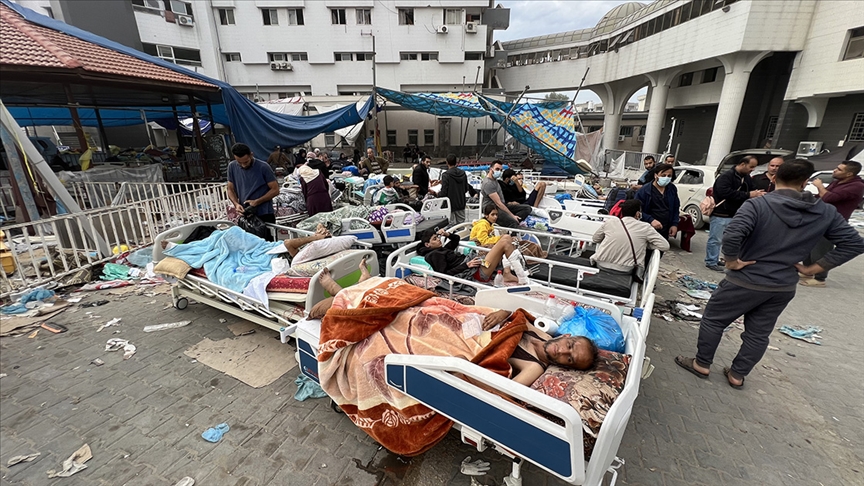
(727, 372)
(687, 364)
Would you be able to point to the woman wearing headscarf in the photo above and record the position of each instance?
(316, 192)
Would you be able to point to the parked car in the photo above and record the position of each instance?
(694, 180)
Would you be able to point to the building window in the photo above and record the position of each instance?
(686, 79)
(295, 16)
(363, 56)
(226, 16)
(772, 127)
(287, 56)
(342, 56)
(49, 12)
(485, 135)
(337, 16)
(413, 137)
(177, 55)
(473, 56)
(232, 57)
(406, 16)
(330, 139)
(625, 131)
(182, 8)
(421, 56)
(364, 16)
(855, 46)
(298, 56)
(429, 56)
(856, 131)
(270, 15)
(391, 137)
(407, 56)
(475, 17)
(452, 16)
(149, 4)
(709, 75)
(429, 137)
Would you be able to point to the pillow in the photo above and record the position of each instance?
(322, 248)
(309, 269)
(590, 392)
(173, 267)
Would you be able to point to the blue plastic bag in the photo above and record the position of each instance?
(596, 326)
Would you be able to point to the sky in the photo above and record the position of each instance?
(533, 18)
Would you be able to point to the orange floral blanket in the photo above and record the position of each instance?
(384, 316)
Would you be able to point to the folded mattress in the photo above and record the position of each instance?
(604, 282)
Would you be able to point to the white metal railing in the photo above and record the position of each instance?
(93, 195)
(50, 249)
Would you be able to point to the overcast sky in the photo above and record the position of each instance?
(532, 18)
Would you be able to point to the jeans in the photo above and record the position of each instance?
(715, 239)
(521, 210)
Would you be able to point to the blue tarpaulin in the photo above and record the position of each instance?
(258, 127)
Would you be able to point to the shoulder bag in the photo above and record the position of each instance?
(637, 274)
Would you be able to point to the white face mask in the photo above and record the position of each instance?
(497, 174)
(663, 181)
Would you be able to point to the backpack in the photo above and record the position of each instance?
(617, 194)
(616, 209)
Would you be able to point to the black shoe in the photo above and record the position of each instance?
(716, 268)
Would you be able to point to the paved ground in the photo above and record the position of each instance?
(797, 422)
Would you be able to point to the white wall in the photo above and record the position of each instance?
(819, 69)
(153, 29)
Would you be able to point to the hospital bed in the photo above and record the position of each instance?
(577, 223)
(583, 205)
(288, 297)
(399, 225)
(484, 419)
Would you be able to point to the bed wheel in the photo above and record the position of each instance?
(181, 303)
(335, 407)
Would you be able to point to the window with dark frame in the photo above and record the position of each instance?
(226, 16)
(342, 56)
(330, 139)
(855, 46)
(406, 16)
(363, 56)
(429, 137)
(149, 4)
(413, 137)
(709, 75)
(473, 56)
(391, 137)
(484, 135)
(232, 57)
(181, 8)
(625, 131)
(364, 16)
(270, 16)
(772, 126)
(686, 79)
(295, 16)
(452, 16)
(337, 16)
(856, 131)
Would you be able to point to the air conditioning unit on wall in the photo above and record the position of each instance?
(471, 27)
(442, 30)
(185, 20)
(809, 149)
(620, 138)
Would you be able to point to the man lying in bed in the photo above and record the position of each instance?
(444, 259)
(535, 352)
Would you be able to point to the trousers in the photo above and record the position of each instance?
(729, 302)
(717, 226)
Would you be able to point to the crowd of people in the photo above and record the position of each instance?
(772, 234)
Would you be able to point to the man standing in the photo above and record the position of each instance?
(670, 160)
(278, 159)
(372, 164)
(420, 177)
(845, 194)
(765, 181)
(509, 215)
(731, 189)
(251, 181)
(648, 175)
(454, 185)
(763, 245)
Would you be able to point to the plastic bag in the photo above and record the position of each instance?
(141, 258)
(596, 326)
(252, 224)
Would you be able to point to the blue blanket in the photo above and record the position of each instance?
(231, 258)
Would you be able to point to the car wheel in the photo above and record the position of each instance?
(696, 214)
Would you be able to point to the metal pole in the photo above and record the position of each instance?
(20, 184)
(506, 120)
(376, 140)
(575, 111)
(473, 90)
(462, 121)
(76, 121)
(102, 134)
(671, 135)
(147, 127)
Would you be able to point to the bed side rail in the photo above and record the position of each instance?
(650, 280)
(438, 207)
(429, 380)
(344, 271)
(366, 233)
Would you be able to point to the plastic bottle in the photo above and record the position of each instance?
(499, 279)
(552, 310)
(568, 312)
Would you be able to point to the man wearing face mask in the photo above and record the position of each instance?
(509, 215)
(660, 203)
(731, 190)
(763, 244)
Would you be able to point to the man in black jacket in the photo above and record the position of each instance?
(731, 189)
(454, 185)
(763, 246)
(420, 177)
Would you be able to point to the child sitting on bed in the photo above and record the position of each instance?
(444, 259)
(483, 232)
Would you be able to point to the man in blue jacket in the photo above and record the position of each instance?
(763, 246)
(731, 189)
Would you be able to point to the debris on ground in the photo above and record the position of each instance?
(214, 434)
(116, 344)
(476, 468)
(170, 325)
(33, 334)
(19, 459)
(307, 388)
(810, 334)
(187, 481)
(678, 310)
(692, 283)
(771, 368)
(33, 299)
(95, 303)
(97, 362)
(74, 463)
(699, 294)
(773, 348)
(112, 322)
(54, 327)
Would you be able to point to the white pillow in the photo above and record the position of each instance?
(322, 248)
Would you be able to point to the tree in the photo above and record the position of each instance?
(556, 97)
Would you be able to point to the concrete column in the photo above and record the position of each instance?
(738, 68)
(614, 96)
(656, 115)
(611, 127)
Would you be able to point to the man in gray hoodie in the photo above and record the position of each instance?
(763, 246)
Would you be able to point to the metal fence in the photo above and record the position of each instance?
(60, 248)
(93, 195)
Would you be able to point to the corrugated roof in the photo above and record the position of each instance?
(27, 44)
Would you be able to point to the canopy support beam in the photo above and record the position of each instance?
(76, 120)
